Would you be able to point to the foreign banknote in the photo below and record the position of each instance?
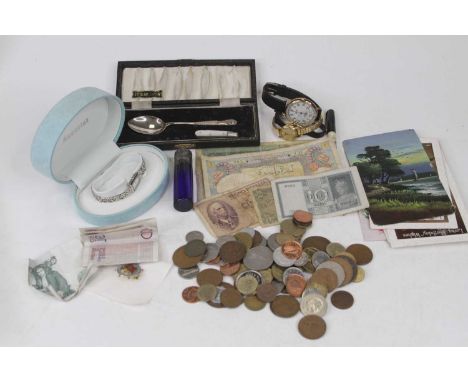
(224, 151)
(222, 173)
(264, 205)
(231, 211)
(58, 273)
(334, 193)
(135, 242)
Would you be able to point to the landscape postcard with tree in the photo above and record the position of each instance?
(398, 177)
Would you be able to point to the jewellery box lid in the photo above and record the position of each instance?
(78, 135)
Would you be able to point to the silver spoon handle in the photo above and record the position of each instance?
(226, 122)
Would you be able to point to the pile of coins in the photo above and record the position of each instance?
(284, 271)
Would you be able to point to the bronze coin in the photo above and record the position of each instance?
(253, 303)
(350, 262)
(282, 238)
(229, 269)
(318, 242)
(209, 276)
(231, 298)
(303, 218)
(216, 302)
(267, 292)
(295, 285)
(361, 252)
(292, 249)
(348, 269)
(257, 239)
(232, 252)
(244, 238)
(342, 299)
(189, 294)
(180, 259)
(312, 327)
(284, 306)
(325, 277)
(195, 248)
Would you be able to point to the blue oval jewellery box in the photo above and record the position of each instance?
(76, 143)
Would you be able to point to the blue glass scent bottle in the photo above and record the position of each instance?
(183, 180)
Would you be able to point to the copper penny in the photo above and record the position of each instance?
(295, 285)
(292, 249)
(318, 242)
(231, 298)
(284, 306)
(348, 269)
(189, 294)
(209, 276)
(303, 218)
(181, 260)
(232, 251)
(325, 277)
(342, 299)
(361, 252)
(267, 292)
(312, 327)
(229, 269)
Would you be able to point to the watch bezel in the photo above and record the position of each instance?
(317, 108)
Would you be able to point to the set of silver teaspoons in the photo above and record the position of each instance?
(200, 82)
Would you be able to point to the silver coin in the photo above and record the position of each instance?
(311, 290)
(279, 286)
(272, 243)
(194, 235)
(336, 268)
(258, 276)
(189, 273)
(280, 259)
(334, 248)
(248, 230)
(313, 303)
(319, 257)
(212, 251)
(258, 258)
(291, 271)
(301, 261)
(224, 239)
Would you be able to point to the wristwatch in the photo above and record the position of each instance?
(295, 113)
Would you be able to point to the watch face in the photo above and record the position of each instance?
(301, 112)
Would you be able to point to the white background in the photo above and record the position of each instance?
(415, 296)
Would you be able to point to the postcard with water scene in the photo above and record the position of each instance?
(398, 177)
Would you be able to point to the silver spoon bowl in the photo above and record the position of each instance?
(147, 124)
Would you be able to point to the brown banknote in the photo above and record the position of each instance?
(231, 211)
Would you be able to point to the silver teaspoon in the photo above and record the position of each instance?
(147, 124)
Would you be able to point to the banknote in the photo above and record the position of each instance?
(135, 242)
(334, 193)
(222, 173)
(223, 151)
(264, 205)
(231, 211)
(59, 273)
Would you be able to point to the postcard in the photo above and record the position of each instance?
(400, 183)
